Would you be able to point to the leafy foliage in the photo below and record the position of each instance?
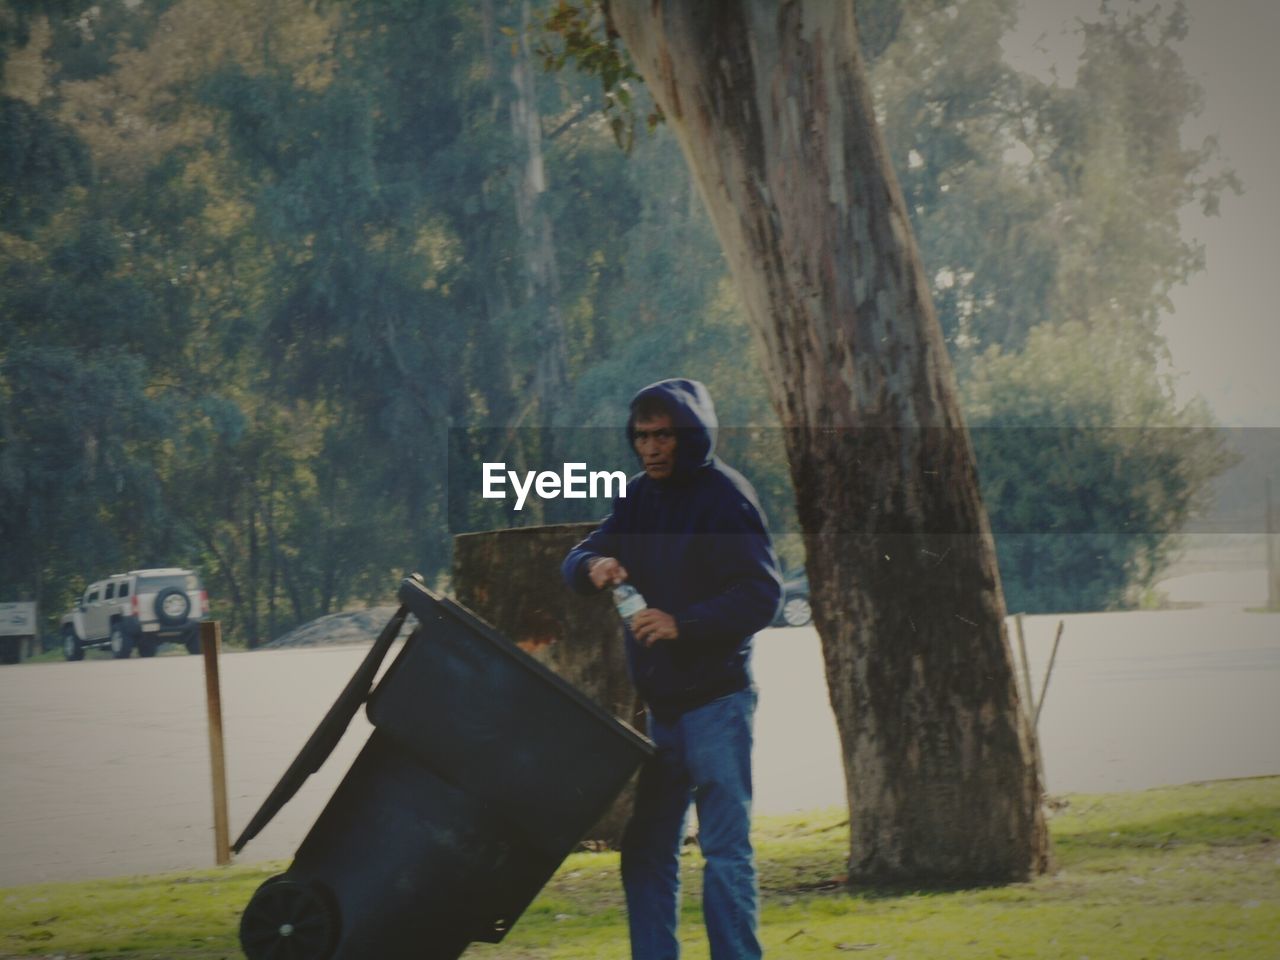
(1089, 466)
(583, 36)
(270, 276)
(39, 159)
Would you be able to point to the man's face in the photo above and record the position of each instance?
(655, 442)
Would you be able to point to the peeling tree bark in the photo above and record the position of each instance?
(771, 106)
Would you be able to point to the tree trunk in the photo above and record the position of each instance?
(209, 538)
(273, 551)
(253, 584)
(542, 273)
(512, 579)
(771, 106)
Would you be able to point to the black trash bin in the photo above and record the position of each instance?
(483, 772)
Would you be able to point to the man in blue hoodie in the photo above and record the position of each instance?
(690, 536)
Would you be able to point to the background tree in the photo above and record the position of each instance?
(774, 114)
(1090, 467)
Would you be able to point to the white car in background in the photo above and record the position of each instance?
(794, 609)
(140, 609)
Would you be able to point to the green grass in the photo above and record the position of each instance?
(54, 654)
(1185, 872)
(42, 655)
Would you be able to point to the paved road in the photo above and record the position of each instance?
(104, 764)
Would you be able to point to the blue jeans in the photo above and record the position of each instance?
(703, 756)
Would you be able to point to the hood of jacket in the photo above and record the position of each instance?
(692, 414)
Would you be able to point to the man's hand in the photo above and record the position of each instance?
(650, 625)
(605, 572)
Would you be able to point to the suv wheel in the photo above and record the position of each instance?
(172, 606)
(192, 641)
(11, 649)
(121, 641)
(147, 647)
(72, 648)
(796, 612)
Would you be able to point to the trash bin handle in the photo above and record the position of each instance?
(326, 736)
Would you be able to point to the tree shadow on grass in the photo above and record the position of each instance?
(1238, 826)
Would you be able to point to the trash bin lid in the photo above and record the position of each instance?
(428, 606)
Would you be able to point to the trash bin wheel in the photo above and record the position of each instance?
(289, 920)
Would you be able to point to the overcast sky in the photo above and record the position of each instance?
(1224, 335)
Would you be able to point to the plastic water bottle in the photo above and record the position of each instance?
(629, 601)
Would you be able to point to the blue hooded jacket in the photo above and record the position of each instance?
(696, 547)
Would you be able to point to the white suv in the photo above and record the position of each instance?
(141, 608)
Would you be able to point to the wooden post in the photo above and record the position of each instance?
(511, 578)
(210, 647)
(1026, 669)
(1030, 706)
(1044, 687)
